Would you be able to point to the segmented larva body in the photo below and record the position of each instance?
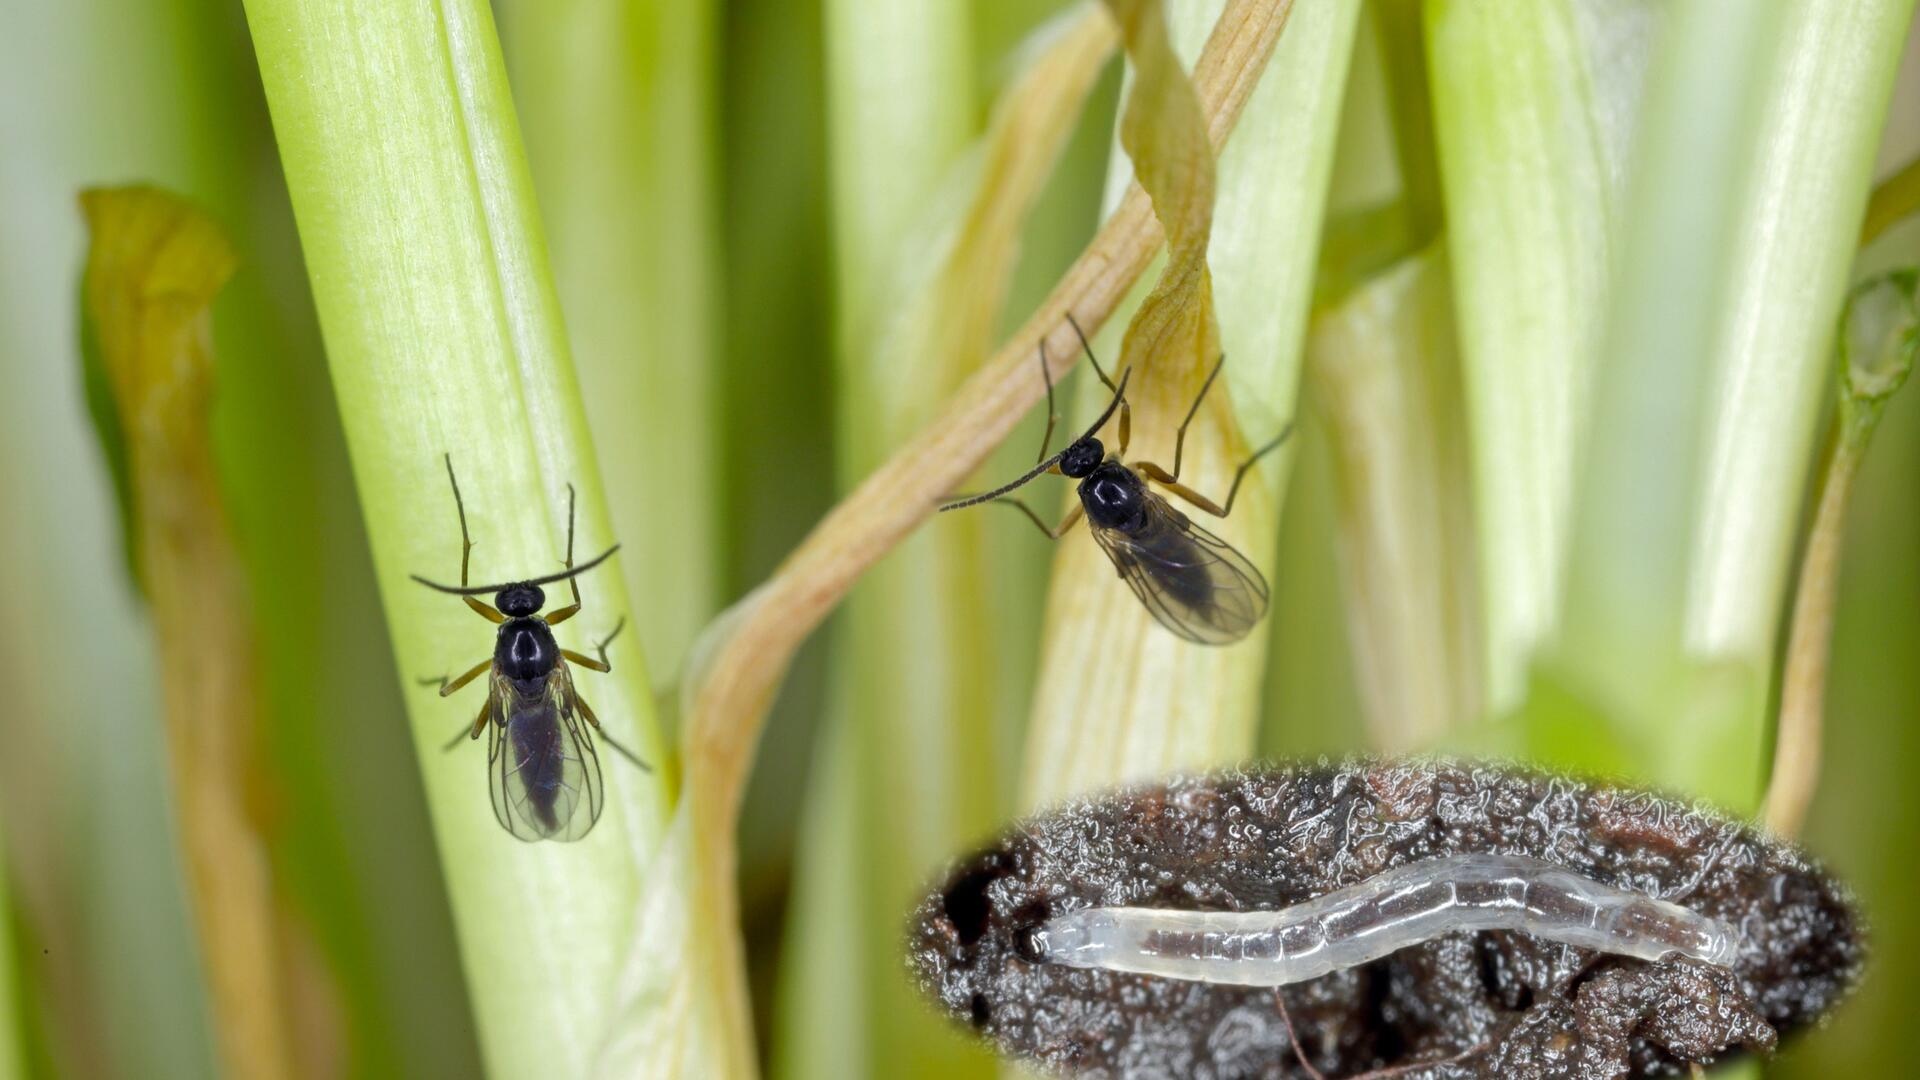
(1383, 914)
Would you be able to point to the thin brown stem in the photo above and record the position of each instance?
(1894, 200)
(1876, 346)
(1803, 688)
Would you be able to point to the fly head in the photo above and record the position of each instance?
(519, 601)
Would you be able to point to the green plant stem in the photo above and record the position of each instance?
(1622, 649)
(910, 677)
(936, 644)
(900, 106)
(1822, 109)
(417, 222)
(1755, 164)
(1385, 383)
(616, 99)
(1399, 27)
(1528, 164)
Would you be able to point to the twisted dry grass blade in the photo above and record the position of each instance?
(732, 680)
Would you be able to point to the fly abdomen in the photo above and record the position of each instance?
(1183, 571)
(539, 758)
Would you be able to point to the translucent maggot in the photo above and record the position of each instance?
(1662, 934)
(1385, 913)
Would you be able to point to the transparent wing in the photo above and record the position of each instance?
(1192, 581)
(541, 765)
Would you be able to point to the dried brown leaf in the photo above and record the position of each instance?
(733, 676)
(153, 270)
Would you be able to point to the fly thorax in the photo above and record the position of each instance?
(525, 650)
(1114, 498)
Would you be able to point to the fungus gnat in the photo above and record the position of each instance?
(1431, 919)
(1194, 583)
(541, 764)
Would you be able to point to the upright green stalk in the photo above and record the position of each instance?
(1755, 164)
(417, 222)
(1386, 385)
(1529, 151)
(900, 107)
(926, 668)
(1621, 658)
(903, 733)
(617, 102)
(1822, 107)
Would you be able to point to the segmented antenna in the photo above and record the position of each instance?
(480, 590)
(1119, 395)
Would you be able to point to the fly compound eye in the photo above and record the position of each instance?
(519, 601)
(1082, 458)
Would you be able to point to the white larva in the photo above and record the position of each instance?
(1385, 913)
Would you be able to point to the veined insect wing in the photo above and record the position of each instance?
(1193, 583)
(542, 769)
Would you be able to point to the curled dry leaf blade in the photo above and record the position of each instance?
(734, 672)
(924, 655)
(153, 269)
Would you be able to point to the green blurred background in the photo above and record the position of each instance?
(686, 157)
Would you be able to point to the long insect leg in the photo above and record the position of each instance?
(469, 732)
(1126, 410)
(448, 686)
(572, 609)
(589, 662)
(1171, 482)
(1052, 416)
(1055, 532)
(1180, 436)
(480, 607)
(587, 711)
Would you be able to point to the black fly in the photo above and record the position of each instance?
(1192, 581)
(541, 764)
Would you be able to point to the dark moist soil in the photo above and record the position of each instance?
(1492, 1004)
